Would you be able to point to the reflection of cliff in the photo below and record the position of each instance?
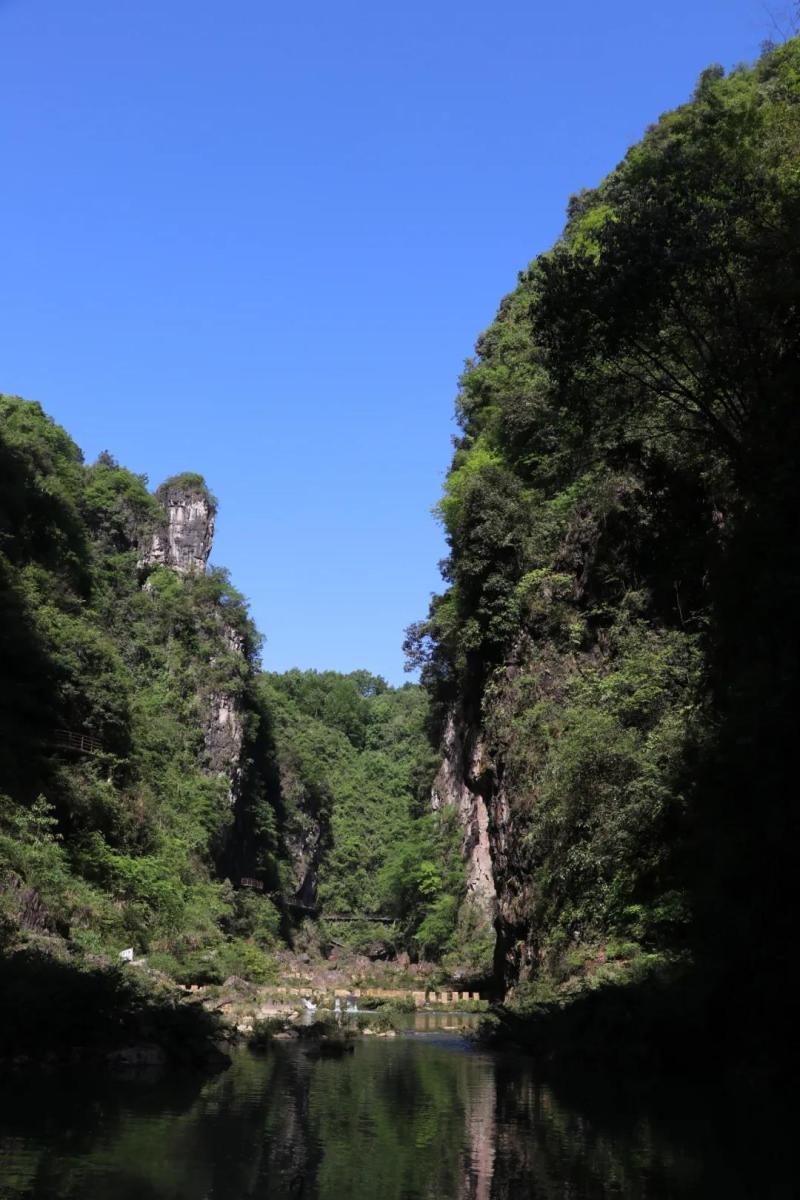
(291, 1153)
(480, 1134)
(401, 1120)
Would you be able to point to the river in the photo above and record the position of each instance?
(423, 1116)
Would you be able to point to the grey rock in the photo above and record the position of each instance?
(223, 737)
(183, 541)
(143, 1054)
(459, 783)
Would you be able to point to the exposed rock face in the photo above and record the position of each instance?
(223, 730)
(304, 851)
(477, 776)
(223, 736)
(307, 836)
(184, 540)
(462, 781)
(183, 543)
(514, 953)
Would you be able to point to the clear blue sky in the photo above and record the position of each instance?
(259, 240)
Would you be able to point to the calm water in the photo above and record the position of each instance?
(420, 1117)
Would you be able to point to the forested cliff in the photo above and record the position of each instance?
(613, 663)
(148, 766)
(135, 773)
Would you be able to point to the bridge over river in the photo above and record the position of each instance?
(314, 910)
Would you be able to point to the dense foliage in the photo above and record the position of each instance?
(132, 843)
(356, 769)
(618, 635)
(195, 771)
(620, 617)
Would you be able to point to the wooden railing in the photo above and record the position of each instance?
(81, 743)
(375, 917)
(297, 906)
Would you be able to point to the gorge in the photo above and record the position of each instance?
(582, 810)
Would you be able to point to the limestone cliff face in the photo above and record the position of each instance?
(515, 956)
(223, 730)
(463, 781)
(183, 540)
(307, 836)
(496, 879)
(477, 775)
(307, 828)
(223, 738)
(471, 778)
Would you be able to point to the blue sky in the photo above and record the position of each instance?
(259, 241)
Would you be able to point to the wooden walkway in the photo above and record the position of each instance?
(296, 906)
(80, 743)
(381, 920)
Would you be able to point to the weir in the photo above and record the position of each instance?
(420, 997)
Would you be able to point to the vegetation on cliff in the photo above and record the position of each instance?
(116, 826)
(616, 643)
(356, 769)
(619, 622)
(147, 766)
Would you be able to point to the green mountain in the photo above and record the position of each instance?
(356, 767)
(147, 766)
(613, 663)
(135, 771)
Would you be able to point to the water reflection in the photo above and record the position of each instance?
(419, 1118)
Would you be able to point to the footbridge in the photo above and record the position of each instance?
(313, 910)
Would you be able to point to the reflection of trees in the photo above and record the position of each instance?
(241, 1134)
(248, 1134)
(547, 1149)
(403, 1120)
(289, 1153)
(610, 1139)
(65, 1118)
(392, 1120)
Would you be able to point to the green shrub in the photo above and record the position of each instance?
(248, 961)
(383, 1021)
(168, 964)
(532, 993)
(617, 950)
(264, 1030)
(255, 917)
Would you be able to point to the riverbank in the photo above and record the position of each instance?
(56, 1011)
(242, 1003)
(676, 1022)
